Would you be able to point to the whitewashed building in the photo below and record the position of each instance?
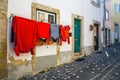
(81, 15)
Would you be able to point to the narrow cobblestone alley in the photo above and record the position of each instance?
(98, 66)
(49, 40)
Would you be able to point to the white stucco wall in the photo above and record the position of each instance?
(67, 7)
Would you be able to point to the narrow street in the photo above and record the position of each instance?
(59, 39)
(104, 65)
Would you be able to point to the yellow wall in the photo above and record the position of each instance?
(115, 16)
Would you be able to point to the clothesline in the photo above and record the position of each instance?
(12, 15)
(28, 31)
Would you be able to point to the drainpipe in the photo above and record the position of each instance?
(104, 20)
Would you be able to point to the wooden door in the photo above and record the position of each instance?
(77, 36)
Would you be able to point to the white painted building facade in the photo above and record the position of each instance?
(84, 8)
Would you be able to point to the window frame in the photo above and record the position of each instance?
(97, 4)
(116, 7)
(119, 7)
(47, 15)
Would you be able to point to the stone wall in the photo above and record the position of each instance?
(3, 39)
(16, 72)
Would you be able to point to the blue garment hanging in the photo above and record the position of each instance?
(55, 31)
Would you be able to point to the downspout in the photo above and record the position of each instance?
(104, 20)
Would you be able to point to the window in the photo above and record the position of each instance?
(96, 3)
(116, 31)
(119, 7)
(116, 27)
(46, 16)
(116, 8)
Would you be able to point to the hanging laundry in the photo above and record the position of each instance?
(12, 36)
(25, 31)
(54, 30)
(49, 41)
(39, 42)
(43, 30)
(10, 26)
(64, 34)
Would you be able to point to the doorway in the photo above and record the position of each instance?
(78, 36)
(116, 33)
(109, 38)
(106, 36)
(96, 37)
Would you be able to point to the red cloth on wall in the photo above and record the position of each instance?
(64, 34)
(25, 31)
(43, 30)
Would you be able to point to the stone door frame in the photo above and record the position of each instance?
(81, 18)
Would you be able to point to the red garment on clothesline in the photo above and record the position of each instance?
(64, 34)
(43, 30)
(25, 32)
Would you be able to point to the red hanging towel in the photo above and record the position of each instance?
(43, 30)
(64, 34)
(25, 31)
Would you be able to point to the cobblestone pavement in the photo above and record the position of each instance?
(104, 65)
